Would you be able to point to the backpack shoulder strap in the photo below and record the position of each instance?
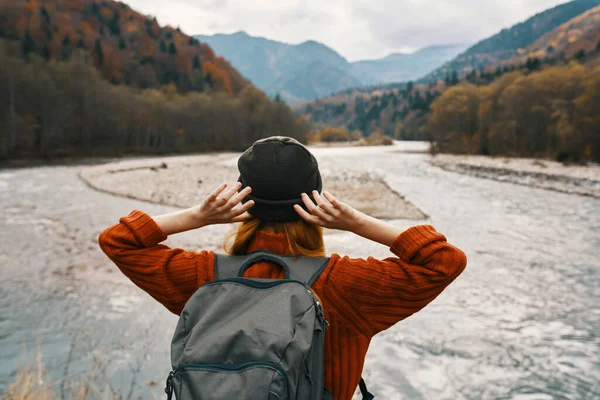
(363, 390)
(304, 269)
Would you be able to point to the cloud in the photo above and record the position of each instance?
(357, 29)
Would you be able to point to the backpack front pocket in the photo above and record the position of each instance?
(243, 381)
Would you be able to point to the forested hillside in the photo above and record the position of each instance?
(510, 42)
(80, 78)
(129, 48)
(537, 106)
(552, 112)
(578, 37)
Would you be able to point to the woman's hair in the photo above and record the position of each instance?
(304, 239)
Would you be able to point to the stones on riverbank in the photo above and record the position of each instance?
(545, 174)
(185, 181)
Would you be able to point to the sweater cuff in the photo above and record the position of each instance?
(409, 242)
(145, 229)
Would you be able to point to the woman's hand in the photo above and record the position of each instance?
(329, 212)
(223, 206)
(219, 207)
(333, 214)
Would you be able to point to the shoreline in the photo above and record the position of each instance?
(582, 180)
(94, 160)
(183, 181)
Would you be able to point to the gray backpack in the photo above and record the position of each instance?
(245, 338)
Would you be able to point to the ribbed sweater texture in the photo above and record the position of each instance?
(361, 297)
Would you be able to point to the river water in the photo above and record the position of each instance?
(522, 322)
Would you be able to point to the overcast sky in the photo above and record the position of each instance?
(357, 29)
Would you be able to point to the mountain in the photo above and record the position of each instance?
(508, 42)
(277, 67)
(273, 66)
(579, 37)
(316, 80)
(401, 67)
(126, 46)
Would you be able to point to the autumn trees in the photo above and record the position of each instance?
(127, 47)
(52, 108)
(84, 77)
(554, 112)
(546, 109)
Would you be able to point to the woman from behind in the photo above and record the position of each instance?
(279, 203)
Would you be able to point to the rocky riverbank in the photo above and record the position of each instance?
(520, 322)
(575, 179)
(185, 181)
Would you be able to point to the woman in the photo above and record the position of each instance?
(278, 202)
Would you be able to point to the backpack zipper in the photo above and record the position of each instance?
(320, 312)
(225, 367)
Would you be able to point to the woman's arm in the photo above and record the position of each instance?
(170, 275)
(373, 294)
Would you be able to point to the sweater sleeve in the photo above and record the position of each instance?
(169, 275)
(375, 294)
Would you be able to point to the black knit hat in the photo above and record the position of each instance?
(278, 169)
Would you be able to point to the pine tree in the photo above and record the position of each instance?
(46, 52)
(172, 49)
(113, 25)
(532, 63)
(122, 44)
(163, 46)
(80, 44)
(454, 78)
(99, 53)
(66, 48)
(409, 86)
(28, 44)
(45, 15)
(196, 62)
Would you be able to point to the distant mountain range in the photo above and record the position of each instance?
(402, 67)
(509, 43)
(310, 70)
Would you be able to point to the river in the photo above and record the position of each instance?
(522, 322)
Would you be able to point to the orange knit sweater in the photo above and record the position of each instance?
(361, 297)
